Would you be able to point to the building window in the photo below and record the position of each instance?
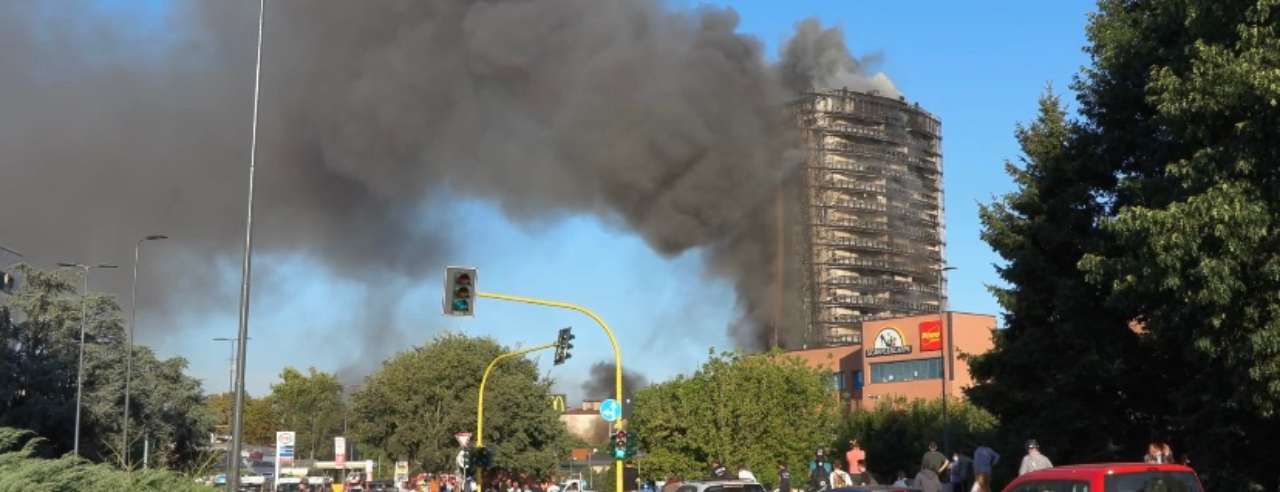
(837, 380)
(907, 370)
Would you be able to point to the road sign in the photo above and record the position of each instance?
(463, 438)
(610, 410)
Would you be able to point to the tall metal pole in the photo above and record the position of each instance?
(942, 310)
(233, 474)
(128, 371)
(84, 314)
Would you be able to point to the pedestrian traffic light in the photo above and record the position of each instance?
(564, 342)
(459, 291)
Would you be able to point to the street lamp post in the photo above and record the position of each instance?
(246, 268)
(942, 311)
(84, 313)
(133, 316)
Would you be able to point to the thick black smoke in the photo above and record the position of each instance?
(669, 123)
(600, 382)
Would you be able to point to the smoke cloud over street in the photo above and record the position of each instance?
(669, 123)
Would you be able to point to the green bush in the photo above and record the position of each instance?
(24, 467)
(896, 432)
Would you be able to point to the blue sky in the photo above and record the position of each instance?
(979, 68)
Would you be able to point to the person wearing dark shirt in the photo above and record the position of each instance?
(984, 459)
(960, 471)
(784, 478)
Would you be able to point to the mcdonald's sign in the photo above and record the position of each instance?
(558, 402)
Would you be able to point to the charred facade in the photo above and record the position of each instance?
(870, 205)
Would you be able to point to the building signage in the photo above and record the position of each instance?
(284, 450)
(888, 342)
(930, 336)
(402, 471)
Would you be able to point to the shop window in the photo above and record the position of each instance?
(906, 370)
(837, 380)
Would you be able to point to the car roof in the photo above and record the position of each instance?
(719, 482)
(1095, 469)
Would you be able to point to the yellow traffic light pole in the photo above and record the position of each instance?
(617, 352)
(480, 402)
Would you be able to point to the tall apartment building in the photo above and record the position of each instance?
(869, 242)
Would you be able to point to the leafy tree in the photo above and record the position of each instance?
(260, 420)
(310, 404)
(1172, 258)
(41, 340)
(411, 408)
(896, 432)
(1062, 368)
(741, 409)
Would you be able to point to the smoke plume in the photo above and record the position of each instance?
(668, 122)
(600, 382)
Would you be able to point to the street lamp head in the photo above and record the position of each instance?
(105, 265)
(70, 265)
(155, 237)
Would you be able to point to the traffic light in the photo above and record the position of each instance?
(459, 291)
(563, 344)
(480, 458)
(7, 282)
(620, 445)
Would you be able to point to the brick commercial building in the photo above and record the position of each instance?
(906, 356)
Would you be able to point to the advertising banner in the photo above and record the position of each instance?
(930, 336)
(340, 452)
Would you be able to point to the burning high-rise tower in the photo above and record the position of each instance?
(869, 239)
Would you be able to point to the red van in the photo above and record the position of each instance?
(1109, 477)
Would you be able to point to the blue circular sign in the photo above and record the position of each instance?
(610, 410)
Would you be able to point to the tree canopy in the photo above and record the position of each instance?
(39, 341)
(1142, 260)
(415, 403)
(752, 410)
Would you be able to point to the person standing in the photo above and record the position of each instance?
(819, 471)
(960, 471)
(984, 459)
(933, 461)
(854, 456)
(1034, 460)
(784, 477)
(673, 483)
(839, 478)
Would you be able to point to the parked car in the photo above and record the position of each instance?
(1109, 477)
(720, 486)
(877, 488)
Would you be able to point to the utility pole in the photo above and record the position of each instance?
(946, 354)
(84, 313)
(128, 371)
